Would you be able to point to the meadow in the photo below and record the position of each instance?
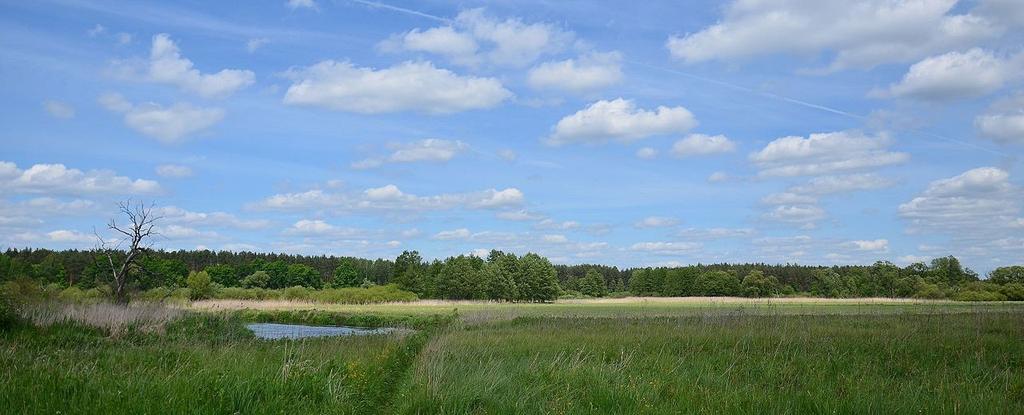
(633, 355)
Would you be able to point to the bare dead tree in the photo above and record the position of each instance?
(134, 240)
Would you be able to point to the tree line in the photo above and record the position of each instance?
(508, 277)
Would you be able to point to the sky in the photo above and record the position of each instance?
(643, 134)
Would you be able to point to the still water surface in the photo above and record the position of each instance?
(273, 331)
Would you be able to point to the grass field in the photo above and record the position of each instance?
(607, 356)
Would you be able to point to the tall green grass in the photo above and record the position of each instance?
(723, 363)
(201, 364)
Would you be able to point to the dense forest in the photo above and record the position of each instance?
(505, 276)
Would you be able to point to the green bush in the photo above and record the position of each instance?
(297, 292)
(200, 285)
(619, 294)
(929, 291)
(258, 279)
(979, 296)
(1013, 291)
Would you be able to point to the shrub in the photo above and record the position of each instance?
(1013, 291)
(200, 285)
(979, 296)
(619, 294)
(929, 291)
(258, 279)
(297, 292)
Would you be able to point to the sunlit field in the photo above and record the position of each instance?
(632, 355)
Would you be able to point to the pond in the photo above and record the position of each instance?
(273, 331)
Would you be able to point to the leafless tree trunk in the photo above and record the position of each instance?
(134, 239)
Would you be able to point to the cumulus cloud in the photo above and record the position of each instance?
(1003, 122)
(58, 109)
(827, 185)
(173, 170)
(667, 248)
(553, 224)
(180, 216)
(166, 65)
(475, 37)
(431, 149)
(409, 86)
(859, 34)
(955, 75)
(805, 215)
(656, 222)
(876, 245)
(587, 73)
(647, 153)
(301, 4)
(255, 44)
(825, 153)
(67, 236)
(461, 233)
(390, 198)
(700, 144)
(459, 47)
(59, 179)
(519, 215)
(620, 120)
(980, 201)
(716, 233)
(168, 124)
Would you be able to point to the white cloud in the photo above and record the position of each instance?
(620, 120)
(859, 34)
(716, 233)
(390, 198)
(587, 73)
(173, 170)
(647, 153)
(431, 149)
(667, 248)
(508, 154)
(796, 214)
(980, 202)
(519, 215)
(475, 37)
(459, 47)
(319, 228)
(553, 224)
(184, 232)
(409, 86)
(461, 233)
(826, 185)
(124, 38)
(555, 239)
(170, 125)
(877, 245)
(1003, 122)
(58, 109)
(177, 215)
(301, 4)
(254, 44)
(167, 66)
(96, 30)
(515, 43)
(719, 177)
(789, 198)
(955, 75)
(700, 144)
(656, 222)
(58, 179)
(70, 237)
(825, 153)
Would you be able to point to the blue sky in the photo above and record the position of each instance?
(829, 132)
